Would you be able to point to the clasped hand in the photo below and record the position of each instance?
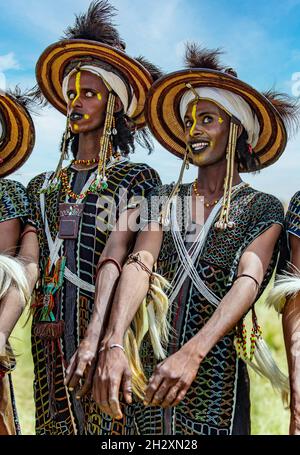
(167, 386)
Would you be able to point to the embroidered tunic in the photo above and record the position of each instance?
(218, 400)
(13, 204)
(293, 216)
(292, 226)
(57, 410)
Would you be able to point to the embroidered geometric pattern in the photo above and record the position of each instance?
(14, 203)
(57, 410)
(293, 215)
(209, 406)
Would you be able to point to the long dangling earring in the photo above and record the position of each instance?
(223, 223)
(105, 145)
(165, 211)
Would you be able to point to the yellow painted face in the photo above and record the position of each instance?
(77, 86)
(194, 110)
(88, 96)
(206, 132)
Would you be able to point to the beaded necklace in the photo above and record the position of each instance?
(85, 162)
(207, 204)
(94, 186)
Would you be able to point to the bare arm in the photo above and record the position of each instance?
(117, 247)
(29, 255)
(173, 377)
(12, 304)
(133, 286)
(9, 236)
(112, 367)
(291, 330)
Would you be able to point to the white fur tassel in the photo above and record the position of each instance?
(152, 316)
(12, 273)
(286, 286)
(266, 366)
(159, 352)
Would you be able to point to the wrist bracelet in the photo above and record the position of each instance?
(116, 345)
(104, 261)
(137, 259)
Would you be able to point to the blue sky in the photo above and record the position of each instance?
(261, 40)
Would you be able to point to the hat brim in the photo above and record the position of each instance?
(19, 135)
(163, 117)
(50, 71)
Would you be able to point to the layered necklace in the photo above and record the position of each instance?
(94, 185)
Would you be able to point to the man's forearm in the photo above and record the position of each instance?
(11, 308)
(130, 293)
(29, 255)
(106, 282)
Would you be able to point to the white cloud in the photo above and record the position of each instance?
(158, 29)
(8, 62)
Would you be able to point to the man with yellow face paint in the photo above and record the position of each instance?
(182, 345)
(102, 91)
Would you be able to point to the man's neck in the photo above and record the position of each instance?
(89, 145)
(211, 178)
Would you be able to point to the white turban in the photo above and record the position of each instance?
(231, 103)
(112, 80)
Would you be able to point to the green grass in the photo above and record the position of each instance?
(268, 414)
(23, 375)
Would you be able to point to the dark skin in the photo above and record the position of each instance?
(291, 330)
(212, 127)
(9, 236)
(88, 96)
(91, 101)
(173, 377)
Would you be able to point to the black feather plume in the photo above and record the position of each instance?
(287, 107)
(154, 70)
(97, 25)
(31, 99)
(200, 57)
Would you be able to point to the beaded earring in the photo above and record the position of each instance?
(105, 145)
(241, 338)
(223, 223)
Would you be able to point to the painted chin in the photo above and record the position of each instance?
(79, 122)
(202, 156)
